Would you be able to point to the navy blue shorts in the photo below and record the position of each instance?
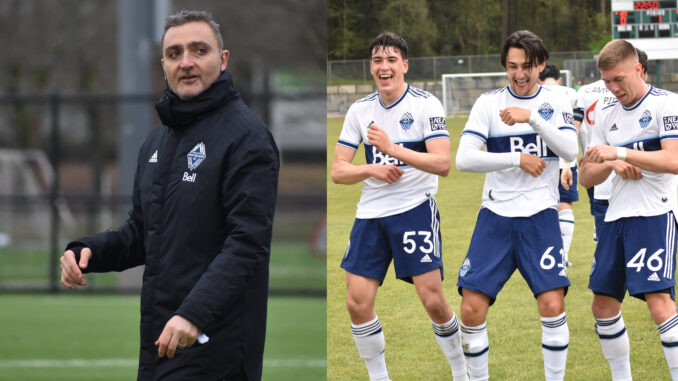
(412, 239)
(571, 195)
(635, 253)
(500, 245)
(599, 208)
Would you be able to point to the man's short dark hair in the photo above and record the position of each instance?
(185, 16)
(550, 71)
(533, 46)
(642, 58)
(390, 39)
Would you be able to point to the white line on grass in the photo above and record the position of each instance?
(102, 363)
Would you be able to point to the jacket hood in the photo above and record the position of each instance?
(177, 113)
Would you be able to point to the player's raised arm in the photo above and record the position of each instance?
(562, 140)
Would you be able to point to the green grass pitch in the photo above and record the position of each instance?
(96, 338)
(513, 321)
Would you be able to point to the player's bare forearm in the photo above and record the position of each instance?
(664, 160)
(591, 173)
(346, 173)
(436, 162)
(343, 171)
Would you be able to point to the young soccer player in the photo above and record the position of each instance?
(637, 138)
(525, 129)
(406, 148)
(591, 99)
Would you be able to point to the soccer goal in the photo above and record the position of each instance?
(27, 173)
(460, 91)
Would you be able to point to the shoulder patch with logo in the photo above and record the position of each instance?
(196, 156)
(437, 123)
(568, 118)
(670, 123)
(546, 111)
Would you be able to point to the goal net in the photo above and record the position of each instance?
(460, 91)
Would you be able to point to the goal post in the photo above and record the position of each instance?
(460, 91)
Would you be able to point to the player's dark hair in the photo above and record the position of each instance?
(533, 46)
(642, 58)
(390, 39)
(615, 52)
(185, 16)
(550, 71)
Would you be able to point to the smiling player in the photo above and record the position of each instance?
(525, 128)
(407, 147)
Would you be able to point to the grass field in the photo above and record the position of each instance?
(513, 321)
(80, 336)
(95, 338)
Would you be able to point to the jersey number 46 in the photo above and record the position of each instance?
(654, 262)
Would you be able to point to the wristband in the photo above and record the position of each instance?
(621, 153)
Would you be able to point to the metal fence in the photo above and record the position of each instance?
(432, 68)
(351, 80)
(59, 180)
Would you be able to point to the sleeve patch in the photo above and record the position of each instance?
(568, 118)
(437, 123)
(670, 123)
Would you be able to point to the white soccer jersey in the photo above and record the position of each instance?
(571, 95)
(568, 92)
(411, 121)
(513, 192)
(590, 99)
(642, 126)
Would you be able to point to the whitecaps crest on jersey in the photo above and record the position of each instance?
(546, 111)
(645, 119)
(406, 121)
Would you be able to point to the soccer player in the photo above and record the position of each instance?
(407, 147)
(525, 129)
(636, 137)
(590, 99)
(550, 78)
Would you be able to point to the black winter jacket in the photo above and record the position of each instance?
(203, 203)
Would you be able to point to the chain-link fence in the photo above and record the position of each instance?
(351, 79)
(432, 68)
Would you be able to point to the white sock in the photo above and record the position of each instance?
(668, 332)
(555, 337)
(615, 343)
(566, 218)
(476, 349)
(369, 338)
(449, 339)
